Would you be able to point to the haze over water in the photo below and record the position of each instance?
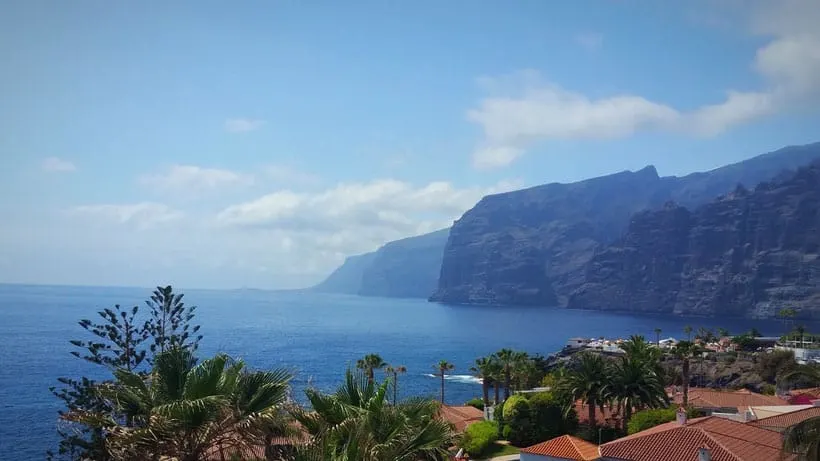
(317, 336)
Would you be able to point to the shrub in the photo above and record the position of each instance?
(475, 403)
(768, 389)
(517, 415)
(646, 419)
(774, 364)
(479, 437)
(548, 419)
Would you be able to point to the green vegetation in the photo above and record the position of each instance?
(475, 403)
(646, 419)
(356, 422)
(501, 449)
(443, 367)
(479, 438)
(370, 363)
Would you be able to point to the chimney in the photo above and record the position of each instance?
(681, 416)
(704, 454)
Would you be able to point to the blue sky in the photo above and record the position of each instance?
(256, 144)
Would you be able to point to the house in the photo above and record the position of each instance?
(609, 417)
(726, 401)
(709, 437)
(576, 343)
(460, 416)
(564, 448)
(781, 422)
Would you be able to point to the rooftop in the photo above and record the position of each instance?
(565, 447)
(786, 420)
(461, 416)
(716, 398)
(727, 440)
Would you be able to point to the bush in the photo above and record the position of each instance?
(646, 419)
(475, 403)
(548, 419)
(768, 389)
(774, 364)
(517, 416)
(479, 437)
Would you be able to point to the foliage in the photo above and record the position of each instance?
(357, 423)
(768, 389)
(475, 403)
(588, 381)
(804, 438)
(550, 418)
(369, 363)
(776, 363)
(395, 372)
(478, 438)
(483, 369)
(443, 367)
(121, 339)
(646, 419)
(182, 410)
(170, 324)
(746, 342)
(636, 383)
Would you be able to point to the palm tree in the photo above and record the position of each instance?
(785, 315)
(369, 363)
(687, 330)
(589, 382)
(636, 384)
(658, 337)
(684, 351)
(395, 371)
(507, 358)
(356, 423)
(496, 377)
(190, 412)
(803, 439)
(443, 367)
(483, 370)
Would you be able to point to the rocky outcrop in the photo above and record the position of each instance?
(746, 254)
(532, 246)
(406, 268)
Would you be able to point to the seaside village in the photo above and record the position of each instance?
(698, 424)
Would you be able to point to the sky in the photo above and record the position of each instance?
(256, 144)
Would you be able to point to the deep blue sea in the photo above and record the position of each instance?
(316, 336)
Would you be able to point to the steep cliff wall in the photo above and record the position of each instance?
(745, 254)
(532, 246)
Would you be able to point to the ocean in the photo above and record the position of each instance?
(317, 336)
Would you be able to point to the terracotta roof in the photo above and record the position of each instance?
(715, 398)
(461, 416)
(727, 440)
(565, 447)
(813, 391)
(786, 420)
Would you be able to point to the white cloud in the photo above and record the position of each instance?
(350, 218)
(590, 41)
(524, 110)
(143, 215)
(54, 164)
(243, 125)
(283, 174)
(191, 180)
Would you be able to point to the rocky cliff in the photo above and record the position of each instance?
(406, 268)
(347, 278)
(532, 246)
(748, 253)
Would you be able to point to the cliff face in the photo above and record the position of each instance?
(529, 246)
(347, 278)
(406, 268)
(532, 246)
(745, 254)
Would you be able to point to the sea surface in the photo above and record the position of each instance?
(317, 336)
